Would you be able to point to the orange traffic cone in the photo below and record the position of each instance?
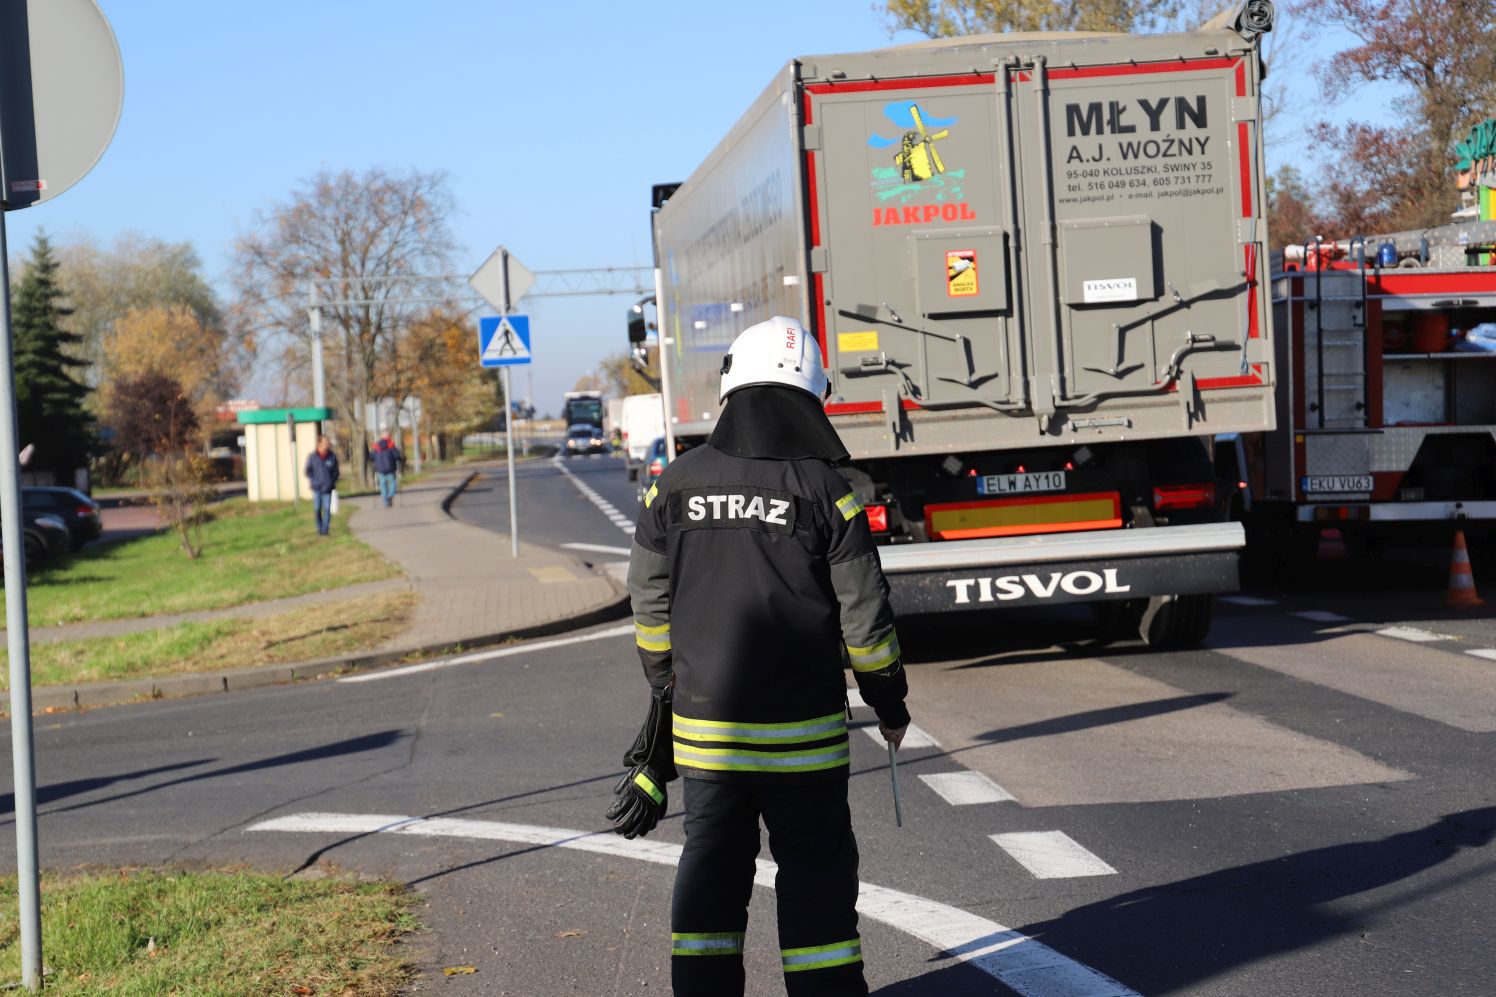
(1461, 593)
(1331, 546)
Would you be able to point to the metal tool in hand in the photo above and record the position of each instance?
(893, 773)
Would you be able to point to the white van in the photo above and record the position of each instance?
(643, 420)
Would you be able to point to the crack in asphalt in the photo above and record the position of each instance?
(410, 758)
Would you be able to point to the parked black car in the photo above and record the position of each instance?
(44, 535)
(77, 511)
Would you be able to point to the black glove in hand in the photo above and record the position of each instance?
(641, 802)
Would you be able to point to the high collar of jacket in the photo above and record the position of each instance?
(769, 422)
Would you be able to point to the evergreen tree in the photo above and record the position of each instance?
(49, 399)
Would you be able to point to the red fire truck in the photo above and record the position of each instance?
(1387, 390)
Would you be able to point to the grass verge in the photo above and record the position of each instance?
(133, 933)
(221, 645)
(253, 552)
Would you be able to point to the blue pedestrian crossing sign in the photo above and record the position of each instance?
(504, 340)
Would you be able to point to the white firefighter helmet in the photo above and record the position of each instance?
(779, 351)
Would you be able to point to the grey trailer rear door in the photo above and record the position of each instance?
(1040, 253)
(914, 268)
(1143, 177)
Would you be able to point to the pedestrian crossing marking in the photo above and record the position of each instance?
(964, 789)
(1051, 855)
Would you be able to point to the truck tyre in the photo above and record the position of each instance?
(1176, 621)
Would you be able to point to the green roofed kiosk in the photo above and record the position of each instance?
(271, 464)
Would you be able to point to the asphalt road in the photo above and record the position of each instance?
(1302, 807)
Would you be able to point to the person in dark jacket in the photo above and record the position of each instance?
(322, 475)
(387, 460)
(754, 581)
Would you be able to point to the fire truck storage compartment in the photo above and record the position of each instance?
(1440, 389)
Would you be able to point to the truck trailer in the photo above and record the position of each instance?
(1035, 267)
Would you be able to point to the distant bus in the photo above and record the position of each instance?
(583, 408)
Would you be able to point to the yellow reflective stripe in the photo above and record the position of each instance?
(645, 783)
(880, 655)
(744, 760)
(821, 956)
(706, 943)
(849, 505)
(650, 495)
(831, 725)
(652, 638)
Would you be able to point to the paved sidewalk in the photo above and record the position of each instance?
(471, 589)
(471, 593)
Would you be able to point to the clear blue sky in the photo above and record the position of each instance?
(552, 121)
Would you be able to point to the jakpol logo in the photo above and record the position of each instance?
(917, 158)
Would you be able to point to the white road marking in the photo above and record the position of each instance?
(1321, 616)
(964, 789)
(607, 508)
(1026, 966)
(503, 652)
(599, 548)
(1413, 634)
(913, 737)
(855, 700)
(1482, 652)
(1247, 600)
(1051, 855)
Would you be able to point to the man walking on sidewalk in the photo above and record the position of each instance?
(322, 475)
(753, 578)
(387, 459)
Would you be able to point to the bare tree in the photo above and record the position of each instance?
(1441, 54)
(362, 234)
(953, 18)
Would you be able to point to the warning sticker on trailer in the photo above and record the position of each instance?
(961, 273)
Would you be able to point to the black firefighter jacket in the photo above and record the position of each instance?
(752, 582)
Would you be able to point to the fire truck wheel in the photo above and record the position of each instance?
(1176, 621)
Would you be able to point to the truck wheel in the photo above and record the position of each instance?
(1176, 621)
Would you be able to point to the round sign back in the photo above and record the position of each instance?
(62, 88)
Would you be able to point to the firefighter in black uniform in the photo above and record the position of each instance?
(753, 579)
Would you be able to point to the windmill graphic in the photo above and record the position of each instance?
(917, 157)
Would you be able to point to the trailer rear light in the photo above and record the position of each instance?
(1200, 496)
(877, 518)
(1069, 465)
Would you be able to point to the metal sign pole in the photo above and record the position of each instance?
(319, 387)
(509, 418)
(18, 640)
(295, 471)
(509, 445)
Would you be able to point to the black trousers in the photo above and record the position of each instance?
(810, 837)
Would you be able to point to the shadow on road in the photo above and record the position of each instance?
(350, 746)
(1168, 939)
(1068, 724)
(62, 790)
